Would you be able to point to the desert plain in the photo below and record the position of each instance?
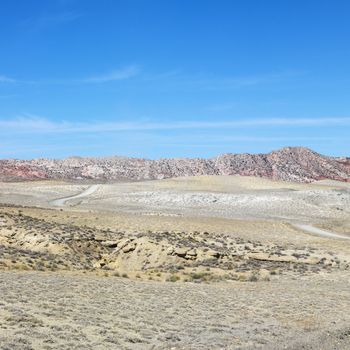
(202, 262)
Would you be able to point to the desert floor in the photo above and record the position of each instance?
(208, 262)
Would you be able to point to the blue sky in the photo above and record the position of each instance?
(173, 78)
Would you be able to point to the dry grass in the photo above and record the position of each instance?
(153, 277)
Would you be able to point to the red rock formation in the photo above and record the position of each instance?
(291, 164)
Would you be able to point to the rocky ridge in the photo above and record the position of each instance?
(297, 164)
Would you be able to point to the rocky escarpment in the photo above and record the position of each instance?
(30, 243)
(291, 164)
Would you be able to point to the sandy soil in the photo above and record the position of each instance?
(208, 196)
(208, 263)
(67, 311)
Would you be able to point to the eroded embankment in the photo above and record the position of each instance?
(29, 243)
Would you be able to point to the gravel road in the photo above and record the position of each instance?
(62, 201)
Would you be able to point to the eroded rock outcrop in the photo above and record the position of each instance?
(290, 164)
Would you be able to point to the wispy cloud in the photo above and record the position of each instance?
(173, 79)
(222, 141)
(119, 74)
(30, 123)
(234, 82)
(5, 79)
(34, 136)
(123, 73)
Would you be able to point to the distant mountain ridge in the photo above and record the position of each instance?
(297, 164)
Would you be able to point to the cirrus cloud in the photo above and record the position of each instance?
(29, 123)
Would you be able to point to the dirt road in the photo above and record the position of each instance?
(60, 202)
